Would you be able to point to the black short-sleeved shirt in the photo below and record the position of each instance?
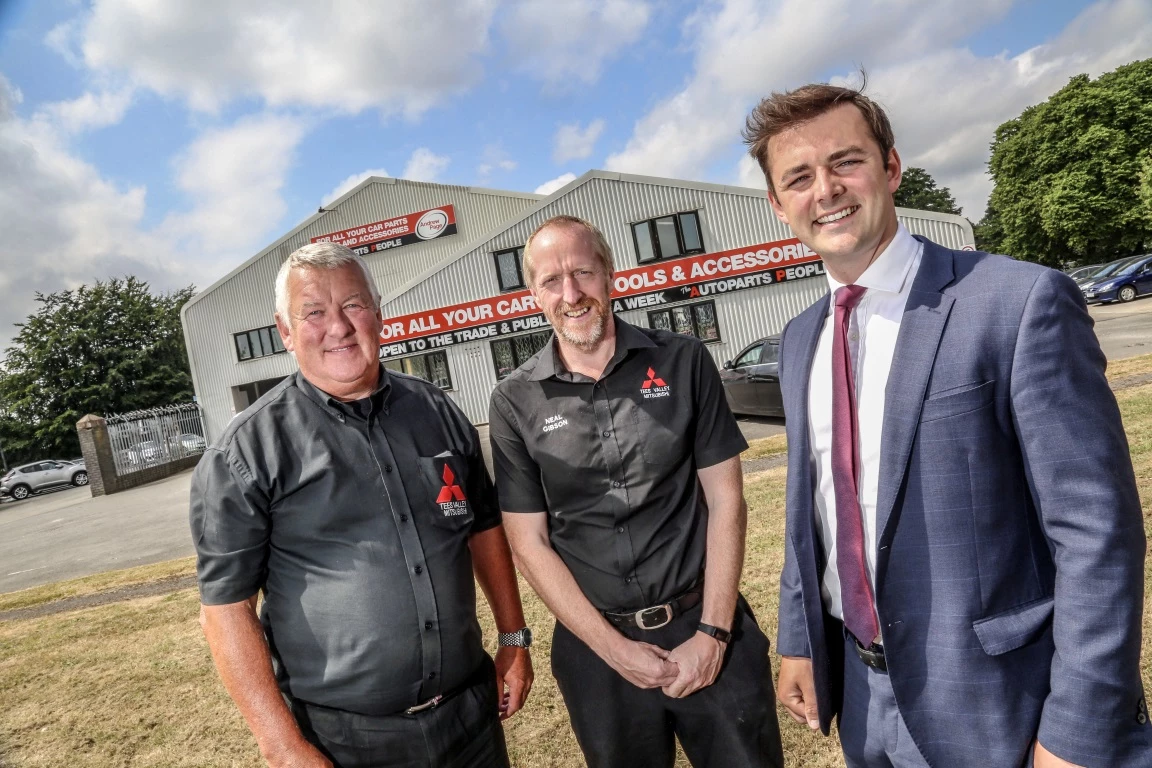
(613, 462)
(355, 524)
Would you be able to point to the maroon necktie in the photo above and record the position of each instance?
(855, 590)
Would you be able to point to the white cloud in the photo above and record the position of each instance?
(399, 57)
(91, 110)
(233, 176)
(572, 39)
(351, 182)
(573, 144)
(549, 187)
(944, 100)
(494, 158)
(425, 165)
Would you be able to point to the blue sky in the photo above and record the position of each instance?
(175, 143)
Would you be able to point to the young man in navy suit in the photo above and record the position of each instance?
(964, 570)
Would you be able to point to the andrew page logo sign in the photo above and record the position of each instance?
(640, 287)
(393, 233)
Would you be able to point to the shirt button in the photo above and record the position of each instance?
(403, 518)
(431, 675)
(387, 467)
(853, 336)
(617, 484)
(607, 433)
(427, 625)
(419, 569)
(620, 529)
(627, 579)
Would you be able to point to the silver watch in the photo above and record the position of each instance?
(519, 639)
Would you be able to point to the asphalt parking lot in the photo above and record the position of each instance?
(67, 534)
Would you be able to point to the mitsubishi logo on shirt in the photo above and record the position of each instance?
(654, 386)
(451, 499)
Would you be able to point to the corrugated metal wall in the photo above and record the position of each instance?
(729, 218)
(244, 300)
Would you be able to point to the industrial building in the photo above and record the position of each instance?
(698, 258)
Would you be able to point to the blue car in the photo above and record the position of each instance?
(1121, 280)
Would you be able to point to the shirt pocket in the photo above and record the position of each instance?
(443, 495)
(660, 443)
(958, 400)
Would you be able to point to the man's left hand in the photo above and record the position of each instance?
(513, 679)
(699, 659)
(1042, 758)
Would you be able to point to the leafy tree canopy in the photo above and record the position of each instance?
(102, 349)
(1072, 173)
(918, 190)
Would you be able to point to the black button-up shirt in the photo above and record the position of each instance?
(613, 462)
(354, 521)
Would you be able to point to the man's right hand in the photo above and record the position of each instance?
(796, 690)
(642, 664)
(300, 754)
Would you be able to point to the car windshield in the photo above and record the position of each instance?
(1113, 269)
(1130, 268)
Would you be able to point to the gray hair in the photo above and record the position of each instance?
(319, 256)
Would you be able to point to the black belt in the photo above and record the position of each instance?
(872, 656)
(658, 615)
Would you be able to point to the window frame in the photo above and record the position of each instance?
(257, 351)
(518, 253)
(691, 306)
(511, 342)
(654, 237)
(447, 368)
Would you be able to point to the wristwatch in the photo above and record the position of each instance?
(722, 635)
(521, 638)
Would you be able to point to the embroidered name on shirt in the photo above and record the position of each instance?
(555, 422)
(654, 386)
(452, 500)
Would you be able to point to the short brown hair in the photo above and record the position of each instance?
(599, 244)
(782, 111)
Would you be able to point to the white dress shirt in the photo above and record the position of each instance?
(872, 331)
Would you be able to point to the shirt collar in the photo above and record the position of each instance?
(891, 269)
(379, 395)
(627, 338)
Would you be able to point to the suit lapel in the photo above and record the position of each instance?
(922, 326)
(806, 330)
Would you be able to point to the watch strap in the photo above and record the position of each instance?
(521, 638)
(722, 635)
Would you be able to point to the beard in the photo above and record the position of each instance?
(585, 339)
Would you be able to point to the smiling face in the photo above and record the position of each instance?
(571, 286)
(833, 189)
(334, 329)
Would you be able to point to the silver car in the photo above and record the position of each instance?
(25, 480)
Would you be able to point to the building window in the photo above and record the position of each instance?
(431, 367)
(697, 320)
(510, 354)
(668, 237)
(259, 342)
(508, 270)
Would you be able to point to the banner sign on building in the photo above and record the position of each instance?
(637, 288)
(393, 233)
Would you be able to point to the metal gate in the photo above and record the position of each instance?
(155, 436)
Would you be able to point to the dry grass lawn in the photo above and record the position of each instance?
(132, 684)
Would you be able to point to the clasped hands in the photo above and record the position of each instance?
(680, 672)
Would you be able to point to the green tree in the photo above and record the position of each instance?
(918, 190)
(1067, 172)
(103, 349)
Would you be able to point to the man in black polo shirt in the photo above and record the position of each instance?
(356, 500)
(617, 463)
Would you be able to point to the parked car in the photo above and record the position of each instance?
(1083, 275)
(752, 381)
(1122, 280)
(25, 480)
(146, 452)
(189, 443)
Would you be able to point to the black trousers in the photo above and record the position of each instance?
(731, 723)
(464, 731)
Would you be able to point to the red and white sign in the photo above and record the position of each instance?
(779, 255)
(391, 233)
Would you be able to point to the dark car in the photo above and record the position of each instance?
(752, 380)
(1122, 280)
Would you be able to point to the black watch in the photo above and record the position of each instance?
(722, 635)
(521, 638)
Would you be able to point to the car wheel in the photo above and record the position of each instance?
(80, 478)
(20, 491)
(1127, 293)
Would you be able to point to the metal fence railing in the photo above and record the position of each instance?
(155, 436)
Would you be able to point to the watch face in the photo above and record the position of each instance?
(526, 634)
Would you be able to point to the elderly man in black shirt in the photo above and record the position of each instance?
(356, 500)
(617, 463)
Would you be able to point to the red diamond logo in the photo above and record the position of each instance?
(652, 379)
(450, 490)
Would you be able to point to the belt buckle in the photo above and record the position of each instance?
(432, 702)
(643, 613)
(871, 658)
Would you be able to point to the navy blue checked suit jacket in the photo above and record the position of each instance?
(1010, 563)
